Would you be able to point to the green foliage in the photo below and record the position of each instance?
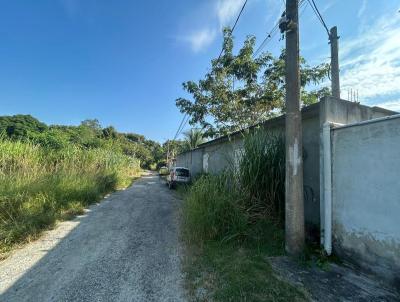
(212, 210)
(110, 132)
(233, 221)
(261, 175)
(174, 147)
(239, 272)
(222, 207)
(193, 138)
(240, 90)
(39, 185)
(53, 172)
(93, 124)
(88, 135)
(133, 137)
(21, 126)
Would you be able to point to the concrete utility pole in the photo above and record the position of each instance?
(333, 38)
(294, 199)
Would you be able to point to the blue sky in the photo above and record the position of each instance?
(123, 61)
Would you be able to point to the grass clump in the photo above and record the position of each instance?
(39, 185)
(212, 211)
(233, 222)
(261, 176)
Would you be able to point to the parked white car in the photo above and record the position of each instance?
(178, 175)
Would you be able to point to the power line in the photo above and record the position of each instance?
(273, 31)
(304, 7)
(179, 128)
(266, 40)
(182, 124)
(234, 26)
(319, 16)
(270, 35)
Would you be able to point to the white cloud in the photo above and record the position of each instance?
(370, 63)
(200, 39)
(391, 105)
(223, 12)
(227, 10)
(327, 6)
(362, 9)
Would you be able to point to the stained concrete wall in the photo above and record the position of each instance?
(366, 195)
(343, 112)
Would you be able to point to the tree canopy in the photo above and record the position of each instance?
(18, 126)
(89, 134)
(242, 90)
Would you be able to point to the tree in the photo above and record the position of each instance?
(193, 138)
(110, 132)
(21, 126)
(135, 137)
(156, 150)
(240, 90)
(92, 123)
(174, 147)
(88, 135)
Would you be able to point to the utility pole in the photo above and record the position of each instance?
(294, 199)
(333, 40)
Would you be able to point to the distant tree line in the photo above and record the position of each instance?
(89, 134)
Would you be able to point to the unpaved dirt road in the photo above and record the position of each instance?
(124, 249)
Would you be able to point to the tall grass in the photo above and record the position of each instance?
(38, 186)
(212, 210)
(233, 221)
(224, 206)
(261, 175)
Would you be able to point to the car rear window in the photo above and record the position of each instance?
(182, 172)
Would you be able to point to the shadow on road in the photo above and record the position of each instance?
(124, 249)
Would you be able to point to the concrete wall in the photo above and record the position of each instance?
(192, 160)
(366, 195)
(221, 155)
(341, 112)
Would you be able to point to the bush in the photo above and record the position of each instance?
(39, 185)
(213, 211)
(225, 206)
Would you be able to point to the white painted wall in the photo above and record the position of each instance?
(366, 194)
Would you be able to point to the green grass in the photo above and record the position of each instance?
(233, 271)
(39, 186)
(211, 211)
(227, 249)
(231, 224)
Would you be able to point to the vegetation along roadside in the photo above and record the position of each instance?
(50, 173)
(231, 224)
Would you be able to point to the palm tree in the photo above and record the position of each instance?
(193, 138)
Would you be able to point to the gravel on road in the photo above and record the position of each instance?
(125, 248)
